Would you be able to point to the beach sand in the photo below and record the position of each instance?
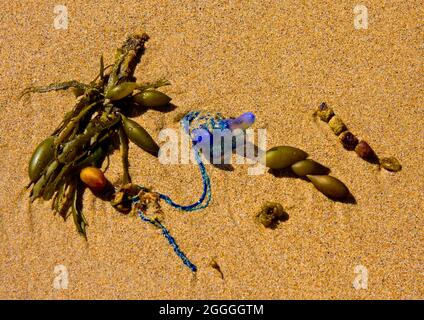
(278, 59)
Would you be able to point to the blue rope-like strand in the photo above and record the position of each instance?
(199, 204)
(207, 193)
(185, 123)
(170, 239)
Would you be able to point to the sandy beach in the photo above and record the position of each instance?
(277, 59)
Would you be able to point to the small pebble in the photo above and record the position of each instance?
(336, 124)
(363, 150)
(348, 140)
(324, 112)
(390, 164)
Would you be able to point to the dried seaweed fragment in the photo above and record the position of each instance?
(271, 214)
(214, 264)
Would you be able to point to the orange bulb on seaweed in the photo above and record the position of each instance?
(93, 178)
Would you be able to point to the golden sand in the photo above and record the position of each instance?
(278, 59)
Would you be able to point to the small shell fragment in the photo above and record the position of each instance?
(348, 140)
(324, 112)
(336, 124)
(390, 164)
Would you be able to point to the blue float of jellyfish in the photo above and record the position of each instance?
(215, 135)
